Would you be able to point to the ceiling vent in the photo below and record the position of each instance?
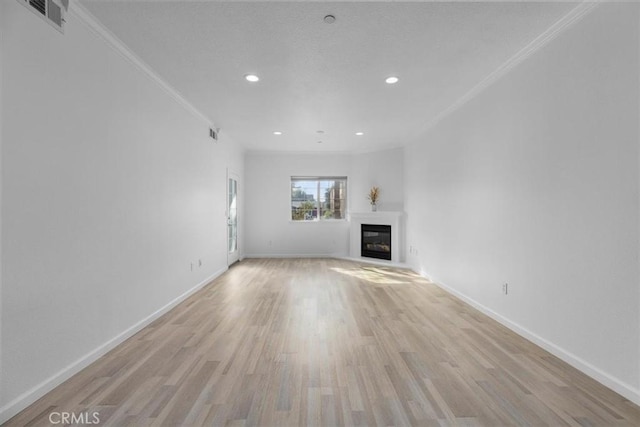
(51, 11)
(213, 134)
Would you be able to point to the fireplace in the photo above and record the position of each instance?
(389, 218)
(376, 241)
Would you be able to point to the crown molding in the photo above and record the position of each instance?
(314, 153)
(91, 22)
(563, 24)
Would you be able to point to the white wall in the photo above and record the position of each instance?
(110, 189)
(535, 183)
(383, 169)
(1, 134)
(270, 232)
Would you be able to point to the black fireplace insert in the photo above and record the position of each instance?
(376, 241)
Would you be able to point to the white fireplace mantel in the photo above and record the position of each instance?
(392, 218)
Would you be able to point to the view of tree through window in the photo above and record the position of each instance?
(318, 198)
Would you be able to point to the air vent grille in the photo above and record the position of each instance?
(54, 12)
(38, 5)
(51, 11)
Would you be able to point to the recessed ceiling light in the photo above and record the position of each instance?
(251, 78)
(319, 142)
(319, 131)
(391, 80)
(277, 132)
(329, 19)
(359, 133)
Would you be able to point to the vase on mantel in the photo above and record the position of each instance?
(374, 207)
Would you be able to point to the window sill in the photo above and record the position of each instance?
(321, 221)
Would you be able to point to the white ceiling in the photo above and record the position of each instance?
(318, 76)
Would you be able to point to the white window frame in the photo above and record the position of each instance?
(317, 200)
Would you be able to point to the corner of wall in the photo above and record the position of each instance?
(638, 139)
(2, 25)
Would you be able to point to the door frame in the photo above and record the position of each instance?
(232, 257)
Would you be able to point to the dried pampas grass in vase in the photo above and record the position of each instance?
(373, 196)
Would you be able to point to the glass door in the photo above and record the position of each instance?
(232, 219)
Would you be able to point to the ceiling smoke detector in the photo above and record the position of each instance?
(329, 19)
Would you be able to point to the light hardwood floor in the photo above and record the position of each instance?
(330, 342)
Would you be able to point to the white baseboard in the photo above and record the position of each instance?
(620, 387)
(35, 393)
(297, 255)
(374, 261)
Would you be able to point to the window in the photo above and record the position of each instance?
(318, 198)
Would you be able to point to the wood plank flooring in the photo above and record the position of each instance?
(330, 342)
